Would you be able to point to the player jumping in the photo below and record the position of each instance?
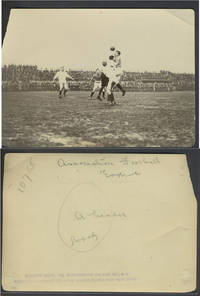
(110, 78)
(62, 77)
(111, 75)
(113, 80)
(118, 68)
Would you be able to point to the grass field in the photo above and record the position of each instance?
(141, 119)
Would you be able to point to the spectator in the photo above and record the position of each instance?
(26, 77)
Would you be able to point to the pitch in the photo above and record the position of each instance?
(140, 119)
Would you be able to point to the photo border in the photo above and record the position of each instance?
(192, 153)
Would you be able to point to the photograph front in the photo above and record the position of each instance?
(99, 78)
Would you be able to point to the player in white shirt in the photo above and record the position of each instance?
(114, 75)
(117, 59)
(118, 65)
(62, 77)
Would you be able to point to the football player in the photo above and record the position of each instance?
(119, 71)
(113, 80)
(115, 64)
(62, 77)
(104, 80)
(97, 83)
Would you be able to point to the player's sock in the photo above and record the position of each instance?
(103, 94)
(113, 85)
(65, 91)
(121, 88)
(100, 91)
(113, 100)
(91, 95)
(60, 92)
(110, 97)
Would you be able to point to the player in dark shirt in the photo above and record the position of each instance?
(104, 81)
(96, 78)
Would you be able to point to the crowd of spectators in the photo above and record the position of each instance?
(25, 77)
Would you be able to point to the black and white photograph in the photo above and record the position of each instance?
(99, 78)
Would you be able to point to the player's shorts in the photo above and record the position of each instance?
(113, 80)
(118, 71)
(64, 85)
(97, 85)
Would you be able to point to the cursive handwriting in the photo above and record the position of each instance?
(101, 162)
(99, 214)
(119, 174)
(83, 239)
(153, 161)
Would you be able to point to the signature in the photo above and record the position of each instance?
(83, 239)
(95, 214)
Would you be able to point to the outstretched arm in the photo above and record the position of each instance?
(92, 78)
(55, 77)
(69, 77)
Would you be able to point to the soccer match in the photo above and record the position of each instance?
(99, 78)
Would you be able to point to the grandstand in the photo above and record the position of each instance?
(26, 77)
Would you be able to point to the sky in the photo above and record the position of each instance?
(149, 39)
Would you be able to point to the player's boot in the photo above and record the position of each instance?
(99, 98)
(111, 98)
(91, 95)
(121, 88)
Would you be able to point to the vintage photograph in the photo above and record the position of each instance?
(99, 78)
